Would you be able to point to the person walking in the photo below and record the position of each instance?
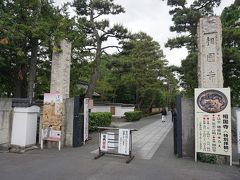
(164, 113)
(174, 113)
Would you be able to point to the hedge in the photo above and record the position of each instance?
(133, 116)
(208, 158)
(101, 119)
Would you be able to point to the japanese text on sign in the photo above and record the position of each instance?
(213, 121)
(123, 141)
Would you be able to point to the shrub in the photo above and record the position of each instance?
(133, 116)
(208, 158)
(97, 119)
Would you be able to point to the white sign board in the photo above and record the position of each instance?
(86, 116)
(112, 141)
(104, 142)
(51, 135)
(238, 131)
(123, 141)
(213, 121)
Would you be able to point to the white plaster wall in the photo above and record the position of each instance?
(101, 109)
(119, 110)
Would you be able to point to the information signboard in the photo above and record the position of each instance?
(52, 118)
(115, 141)
(52, 112)
(213, 121)
(123, 141)
(104, 142)
(51, 135)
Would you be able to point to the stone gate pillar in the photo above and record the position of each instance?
(210, 53)
(60, 73)
(60, 79)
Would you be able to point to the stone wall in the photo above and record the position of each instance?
(188, 127)
(5, 121)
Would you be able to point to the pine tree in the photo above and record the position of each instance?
(185, 19)
(98, 30)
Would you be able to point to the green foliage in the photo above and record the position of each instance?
(37, 26)
(133, 116)
(31, 27)
(231, 54)
(138, 73)
(104, 84)
(99, 119)
(98, 30)
(189, 69)
(80, 71)
(185, 19)
(207, 158)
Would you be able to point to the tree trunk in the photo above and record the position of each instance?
(141, 103)
(93, 82)
(137, 98)
(96, 73)
(150, 105)
(18, 88)
(19, 82)
(32, 68)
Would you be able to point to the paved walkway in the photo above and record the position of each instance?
(78, 163)
(147, 140)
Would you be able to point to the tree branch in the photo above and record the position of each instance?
(105, 52)
(118, 47)
(89, 49)
(97, 16)
(204, 5)
(108, 35)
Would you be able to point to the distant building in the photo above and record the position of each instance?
(117, 109)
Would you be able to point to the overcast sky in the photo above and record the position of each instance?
(152, 17)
